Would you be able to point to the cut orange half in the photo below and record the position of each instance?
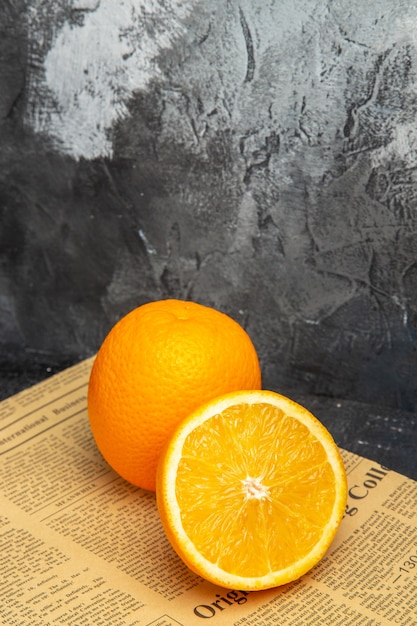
(251, 490)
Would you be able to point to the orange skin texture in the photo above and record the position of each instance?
(157, 365)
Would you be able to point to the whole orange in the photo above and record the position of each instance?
(159, 363)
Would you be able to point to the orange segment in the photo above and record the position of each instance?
(251, 490)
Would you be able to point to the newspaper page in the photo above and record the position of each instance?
(80, 546)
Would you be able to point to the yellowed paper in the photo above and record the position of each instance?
(80, 546)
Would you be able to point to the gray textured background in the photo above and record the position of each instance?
(262, 162)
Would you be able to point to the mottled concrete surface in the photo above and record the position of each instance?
(257, 156)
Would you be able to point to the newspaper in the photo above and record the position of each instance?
(80, 546)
